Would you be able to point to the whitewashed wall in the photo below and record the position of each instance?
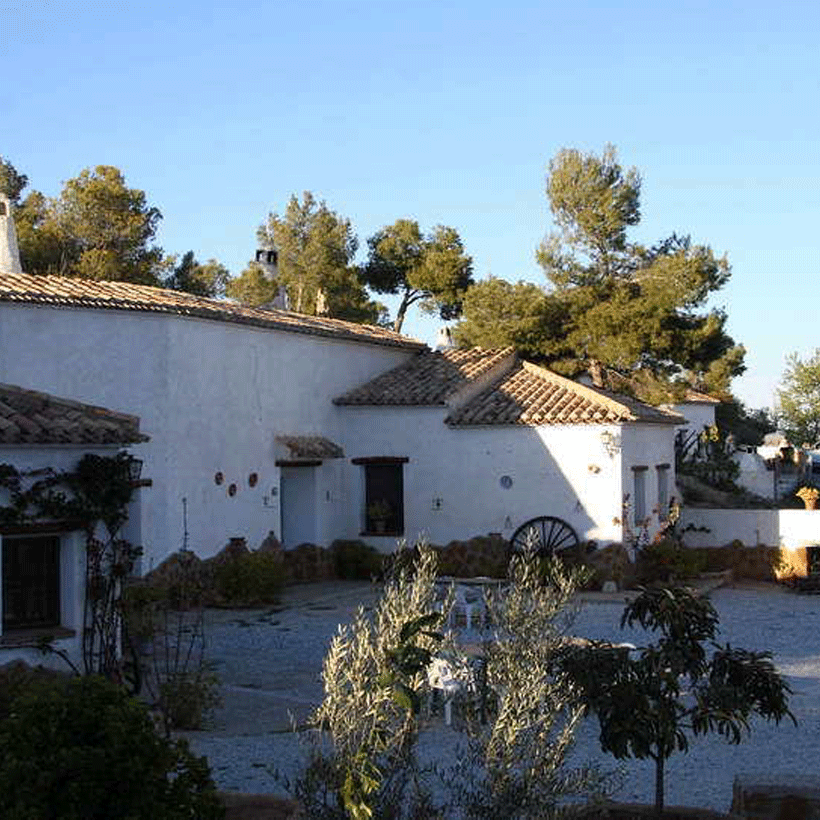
(753, 474)
(212, 396)
(697, 414)
(72, 553)
(559, 470)
(648, 446)
(773, 528)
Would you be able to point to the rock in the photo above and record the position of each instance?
(181, 577)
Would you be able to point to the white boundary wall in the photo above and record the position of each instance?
(772, 528)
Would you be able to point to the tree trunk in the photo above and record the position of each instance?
(400, 313)
(659, 761)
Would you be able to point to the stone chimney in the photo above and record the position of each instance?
(9, 253)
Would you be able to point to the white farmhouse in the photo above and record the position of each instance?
(466, 442)
(263, 420)
(238, 402)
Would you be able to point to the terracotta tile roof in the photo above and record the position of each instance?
(429, 378)
(531, 395)
(59, 291)
(29, 417)
(696, 397)
(311, 447)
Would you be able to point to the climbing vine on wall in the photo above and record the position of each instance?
(96, 492)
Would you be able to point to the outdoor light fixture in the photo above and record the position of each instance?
(135, 469)
(611, 442)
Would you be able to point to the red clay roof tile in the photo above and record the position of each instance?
(61, 291)
(30, 417)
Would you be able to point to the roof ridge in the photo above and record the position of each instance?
(592, 393)
(432, 378)
(507, 358)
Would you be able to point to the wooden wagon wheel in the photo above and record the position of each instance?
(546, 535)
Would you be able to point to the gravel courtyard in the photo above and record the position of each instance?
(269, 662)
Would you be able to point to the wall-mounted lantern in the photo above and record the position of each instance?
(611, 442)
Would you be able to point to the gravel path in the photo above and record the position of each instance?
(269, 663)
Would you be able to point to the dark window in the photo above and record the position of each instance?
(384, 498)
(663, 491)
(31, 582)
(639, 494)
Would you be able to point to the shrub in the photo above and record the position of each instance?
(536, 711)
(249, 578)
(368, 762)
(18, 677)
(355, 560)
(187, 698)
(668, 560)
(164, 642)
(84, 750)
(371, 730)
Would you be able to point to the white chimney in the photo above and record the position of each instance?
(444, 339)
(9, 253)
(268, 259)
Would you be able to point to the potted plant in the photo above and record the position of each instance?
(378, 514)
(809, 496)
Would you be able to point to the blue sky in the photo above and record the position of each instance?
(445, 112)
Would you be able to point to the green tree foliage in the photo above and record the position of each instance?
(12, 182)
(499, 313)
(431, 269)
(208, 279)
(624, 305)
(253, 287)
(84, 749)
(316, 247)
(649, 704)
(97, 228)
(799, 397)
(746, 425)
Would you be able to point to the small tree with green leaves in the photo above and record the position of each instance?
(648, 705)
(799, 399)
(82, 748)
(431, 269)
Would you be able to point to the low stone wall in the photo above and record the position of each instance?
(636, 811)
(767, 797)
(260, 807)
(788, 532)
